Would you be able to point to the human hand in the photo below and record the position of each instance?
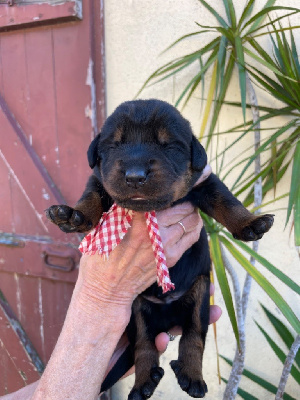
(130, 268)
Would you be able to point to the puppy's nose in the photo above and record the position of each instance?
(135, 177)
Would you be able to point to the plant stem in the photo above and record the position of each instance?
(287, 368)
(242, 302)
(257, 183)
(238, 362)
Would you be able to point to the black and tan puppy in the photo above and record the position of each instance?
(146, 158)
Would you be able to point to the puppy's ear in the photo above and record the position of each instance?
(92, 152)
(199, 157)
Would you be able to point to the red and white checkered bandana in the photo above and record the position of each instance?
(111, 230)
(113, 227)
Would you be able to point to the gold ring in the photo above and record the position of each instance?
(183, 227)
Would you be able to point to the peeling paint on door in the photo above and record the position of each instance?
(48, 77)
(90, 110)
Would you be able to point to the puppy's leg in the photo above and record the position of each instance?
(214, 198)
(87, 211)
(188, 367)
(148, 373)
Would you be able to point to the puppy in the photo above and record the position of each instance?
(147, 158)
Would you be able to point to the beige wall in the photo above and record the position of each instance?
(136, 33)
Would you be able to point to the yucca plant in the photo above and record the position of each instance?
(233, 40)
(236, 45)
(284, 142)
(286, 88)
(288, 339)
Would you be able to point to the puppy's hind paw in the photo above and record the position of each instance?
(146, 390)
(194, 387)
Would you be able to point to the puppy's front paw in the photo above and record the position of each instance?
(194, 387)
(256, 228)
(68, 219)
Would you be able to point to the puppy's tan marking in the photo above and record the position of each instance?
(163, 136)
(118, 135)
(146, 354)
(192, 343)
(181, 187)
(91, 207)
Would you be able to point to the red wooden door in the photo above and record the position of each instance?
(51, 106)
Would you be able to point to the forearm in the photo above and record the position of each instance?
(92, 327)
(101, 306)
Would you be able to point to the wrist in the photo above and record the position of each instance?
(100, 304)
(93, 300)
(93, 327)
(114, 281)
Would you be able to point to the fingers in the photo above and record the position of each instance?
(162, 341)
(174, 214)
(215, 313)
(177, 240)
(205, 174)
(189, 224)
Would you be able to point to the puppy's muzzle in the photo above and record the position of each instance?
(136, 177)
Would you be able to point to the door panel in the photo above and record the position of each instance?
(5, 198)
(41, 103)
(51, 106)
(20, 360)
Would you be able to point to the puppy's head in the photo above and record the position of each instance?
(146, 155)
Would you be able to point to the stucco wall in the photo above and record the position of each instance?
(136, 33)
